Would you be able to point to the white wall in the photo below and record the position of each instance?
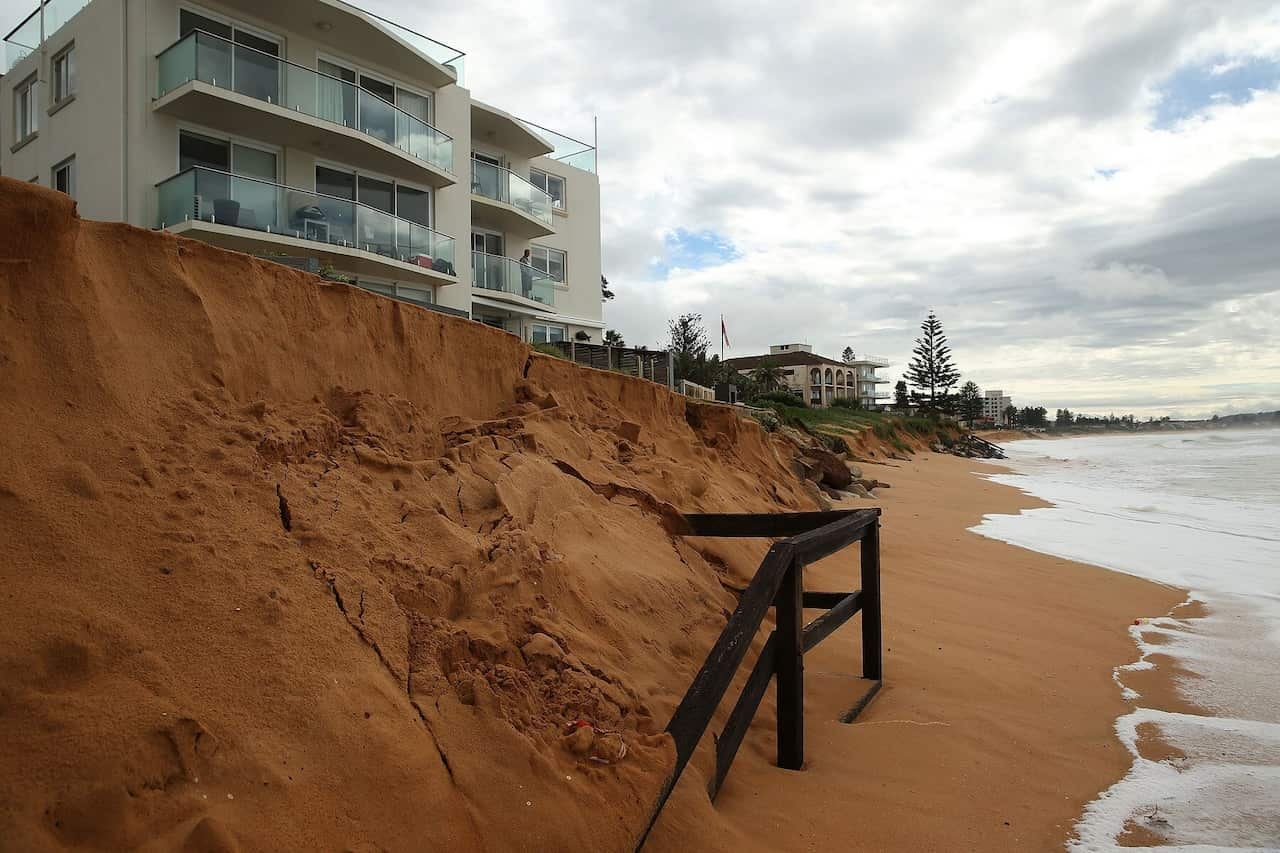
(578, 235)
(90, 126)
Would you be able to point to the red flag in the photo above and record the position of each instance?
(724, 333)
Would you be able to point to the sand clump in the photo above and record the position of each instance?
(293, 566)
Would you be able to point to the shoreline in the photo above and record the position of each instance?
(997, 722)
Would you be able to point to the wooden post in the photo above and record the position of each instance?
(789, 610)
(871, 645)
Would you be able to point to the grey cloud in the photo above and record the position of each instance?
(744, 118)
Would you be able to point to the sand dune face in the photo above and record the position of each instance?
(292, 566)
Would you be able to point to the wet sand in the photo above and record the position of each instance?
(995, 724)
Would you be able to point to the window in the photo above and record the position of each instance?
(543, 333)
(24, 109)
(64, 75)
(388, 196)
(549, 261)
(234, 58)
(64, 177)
(552, 185)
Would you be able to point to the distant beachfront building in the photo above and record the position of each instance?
(818, 380)
(993, 405)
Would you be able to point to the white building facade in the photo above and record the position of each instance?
(313, 133)
(994, 404)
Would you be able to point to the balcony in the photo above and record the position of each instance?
(207, 79)
(257, 216)
(872, 360)
(512, 278)
(874, 395)
(872, 380)
(501, 197)
(500, 129)
(24, 39)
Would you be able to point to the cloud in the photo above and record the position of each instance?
(1084, 192)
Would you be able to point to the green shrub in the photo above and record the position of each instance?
(548, 349)
(763, 401)
(920, 426)
(845, 403)
(767, 420)
(884, 430)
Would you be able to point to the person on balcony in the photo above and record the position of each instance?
(526, 274)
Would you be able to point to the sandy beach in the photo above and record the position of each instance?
(288, 567)
(995, 726)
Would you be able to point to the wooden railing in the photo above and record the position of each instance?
(778, 583)
(983, 447)
(654, 365)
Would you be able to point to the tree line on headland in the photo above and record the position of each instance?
(928, 385)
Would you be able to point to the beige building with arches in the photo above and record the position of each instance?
(818, 380)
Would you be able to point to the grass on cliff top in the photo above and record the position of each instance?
(886, 426)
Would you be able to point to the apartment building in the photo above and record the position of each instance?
(315, 133)
(994, 404)
(818, 380)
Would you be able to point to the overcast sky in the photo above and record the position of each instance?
(1088, 194)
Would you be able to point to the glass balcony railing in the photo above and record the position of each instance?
(437, 51)
(219, 197)
(495, 272)
(238, 68)
(570, 151)
(505, 185)
(25, 37)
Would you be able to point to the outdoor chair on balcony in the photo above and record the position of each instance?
(226, 211)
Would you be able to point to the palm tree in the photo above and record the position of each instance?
(613, 338)
(768, 375)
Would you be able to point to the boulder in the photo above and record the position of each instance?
(859, 490)
(834, 472)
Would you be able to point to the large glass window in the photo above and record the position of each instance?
(414, 205)
(25, 109)
(64, 75)
(552, 185)
(550, 261)
(408, 203)
(195, 149)
(543, 333)
(378, 194)
(336, 183)
(246, 61)
(244, 203)
(337, 94)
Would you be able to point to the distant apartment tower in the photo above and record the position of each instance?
(818, 380)
(314, 133)
(994, 404)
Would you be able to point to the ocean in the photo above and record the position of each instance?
(1200, 511)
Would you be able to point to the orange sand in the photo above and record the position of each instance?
(296, 567)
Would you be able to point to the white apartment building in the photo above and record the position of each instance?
(818, 380)
(993, 405)
(311, 132)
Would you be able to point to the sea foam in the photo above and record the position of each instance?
(1199, 511)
